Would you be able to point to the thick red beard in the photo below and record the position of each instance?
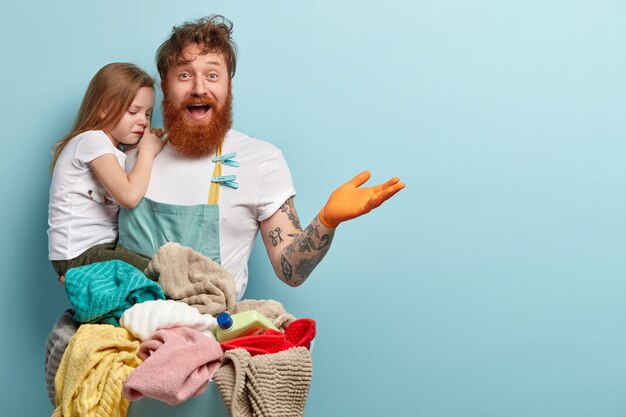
(197, 139)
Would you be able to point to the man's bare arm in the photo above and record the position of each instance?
(294, 252)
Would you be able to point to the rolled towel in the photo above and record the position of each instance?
(190, 277)
(145, 319)
(178, 364)
(271, 309)
(58, 339)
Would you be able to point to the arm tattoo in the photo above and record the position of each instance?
(286, 268)
(306, 251)
(275, 236)
(289, 208)
(306, 243)
(306, 266)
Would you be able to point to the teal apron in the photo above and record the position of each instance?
(151, 224)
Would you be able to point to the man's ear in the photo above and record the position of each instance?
(163, 86)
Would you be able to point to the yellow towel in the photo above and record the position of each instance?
(94, 367)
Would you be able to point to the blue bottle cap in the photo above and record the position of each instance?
(224, 320)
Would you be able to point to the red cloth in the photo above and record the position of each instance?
(298, 333)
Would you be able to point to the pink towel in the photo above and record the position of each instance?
(178, 364)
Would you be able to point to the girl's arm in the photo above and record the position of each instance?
(128, 189)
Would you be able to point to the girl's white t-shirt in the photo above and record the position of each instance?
(81, 213)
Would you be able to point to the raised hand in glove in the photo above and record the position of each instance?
(350, 201)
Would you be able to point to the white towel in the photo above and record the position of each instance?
(144, 319)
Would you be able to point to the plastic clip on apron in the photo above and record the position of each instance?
(151, 224)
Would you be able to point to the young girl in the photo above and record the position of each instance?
(88, 178)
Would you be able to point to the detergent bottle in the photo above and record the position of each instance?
(230, 327)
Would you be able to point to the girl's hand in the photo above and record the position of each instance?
(151, 141)
(160, 132)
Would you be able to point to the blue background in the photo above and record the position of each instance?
(493, 285)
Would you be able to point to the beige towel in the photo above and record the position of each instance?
(190, 277)
(96, 363)
(265, 385)
(271, 309)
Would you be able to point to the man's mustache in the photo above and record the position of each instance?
(195, 101)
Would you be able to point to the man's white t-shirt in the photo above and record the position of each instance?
(81, 213)
(264, 180)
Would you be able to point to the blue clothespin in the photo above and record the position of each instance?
(227, 159)
(227, 180)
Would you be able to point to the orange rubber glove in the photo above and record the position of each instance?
(350, 201)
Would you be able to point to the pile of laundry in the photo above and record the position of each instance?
(133, 334)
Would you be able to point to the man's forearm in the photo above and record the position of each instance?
(304, 253)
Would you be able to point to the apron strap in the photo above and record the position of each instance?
(214, 189)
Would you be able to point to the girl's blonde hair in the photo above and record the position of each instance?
(110, 93)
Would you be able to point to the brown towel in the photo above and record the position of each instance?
(271, 309)
(265, 385)
(190, 277)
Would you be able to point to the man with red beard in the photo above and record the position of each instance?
(212, 188)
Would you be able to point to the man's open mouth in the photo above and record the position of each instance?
(198, 111)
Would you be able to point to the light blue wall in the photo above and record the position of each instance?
(494, 285)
